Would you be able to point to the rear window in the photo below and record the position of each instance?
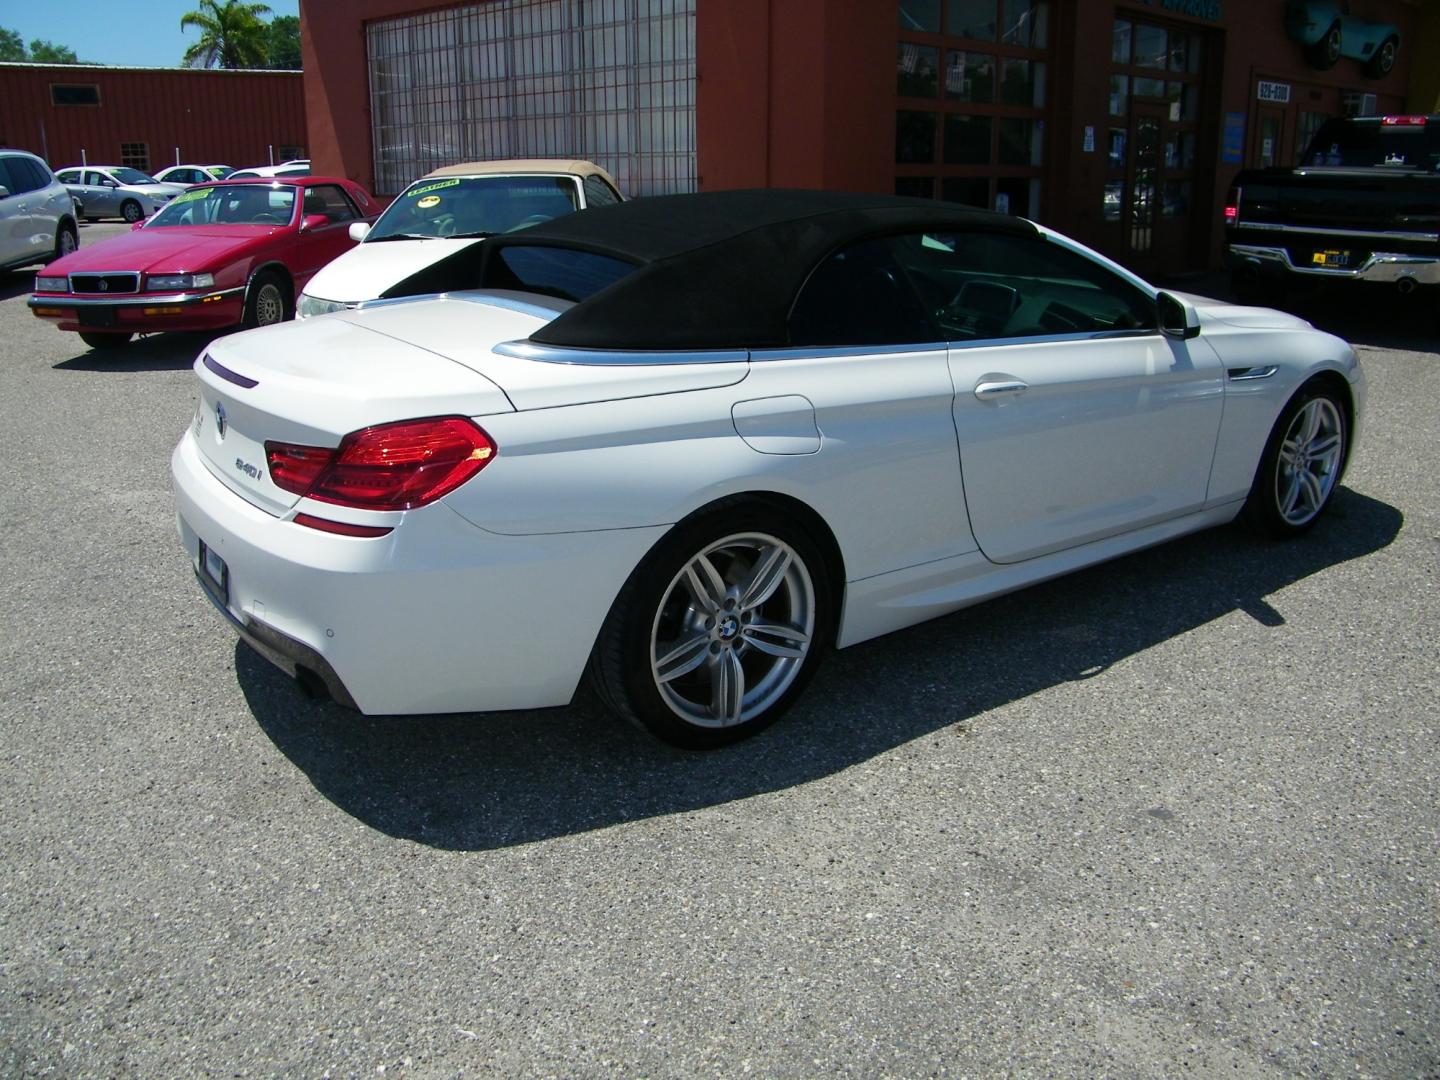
(1348, 144)
(553, 271)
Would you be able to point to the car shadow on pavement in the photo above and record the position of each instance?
(15, 283)
(479, 781)
(155, 352)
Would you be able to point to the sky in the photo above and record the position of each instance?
(134, 33)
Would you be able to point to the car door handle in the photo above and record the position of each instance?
(985, 391)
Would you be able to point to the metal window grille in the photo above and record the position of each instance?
(135, 155)
(608, 80)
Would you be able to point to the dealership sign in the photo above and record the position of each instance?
(1199, 9)
(1277, 93)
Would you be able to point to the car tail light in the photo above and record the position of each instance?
(388, 467)
(1232, 206)
(1402, 121)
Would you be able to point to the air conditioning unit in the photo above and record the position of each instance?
(1357, 103)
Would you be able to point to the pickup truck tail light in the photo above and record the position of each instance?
(1232, 206)
(1402, 121)
(388, 467)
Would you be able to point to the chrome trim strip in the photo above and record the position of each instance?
(542, 307)
(1318, 231)
(127, 299)
(1249, 374)
(560, 354)
(841, 351)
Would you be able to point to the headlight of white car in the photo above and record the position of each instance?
(312, 305)
(51, 284)
(162, 282)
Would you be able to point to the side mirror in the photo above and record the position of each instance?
(313, 221)
(109, 183)
(1178, 318)
(139, 224)
(359, 230)
(4, 192)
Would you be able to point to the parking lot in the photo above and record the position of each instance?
(1174, 815)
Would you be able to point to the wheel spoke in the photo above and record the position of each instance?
(683, 659)
(765, 578)
(1292, 496)
(1289, 452)
(705, 584)
(1326, 446)
(1313, 489)
(1309, 423)
(777, 639)
(727, 687)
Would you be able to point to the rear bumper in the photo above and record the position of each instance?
(133, 313)
(436, 616)
(1381, 267)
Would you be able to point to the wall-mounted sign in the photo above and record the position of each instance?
(1276, 92)
(1199, 9)
(1232, 139)
(1089, 143)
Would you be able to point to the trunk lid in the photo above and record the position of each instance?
(312, 383)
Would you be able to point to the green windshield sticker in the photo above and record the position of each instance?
(193, 194)
(425, 189)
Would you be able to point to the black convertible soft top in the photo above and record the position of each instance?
(718, 270)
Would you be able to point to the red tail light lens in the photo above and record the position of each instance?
(1402, 121)
(1232, 206)
(388, 467)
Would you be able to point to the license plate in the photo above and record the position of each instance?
(1331, 259)
(214, 574)
(96, 316)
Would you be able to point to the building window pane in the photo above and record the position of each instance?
(1026, 23)
(971, 18)
(1119, 94)
(1120, 44)
(914, 137)
(921, 15)
(1024, 83)
(1176, 199)
(1114, 190)
(1021, 142)
(1151, 88)
(916, 70)
(967, 139)
(1116, 156)
(1151, 46)
(921, 187)
(135, 155)
(1018, 196)
(966, 190)
(969, 77)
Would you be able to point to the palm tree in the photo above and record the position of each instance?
(232, 34)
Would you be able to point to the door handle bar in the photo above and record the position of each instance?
(987, 390)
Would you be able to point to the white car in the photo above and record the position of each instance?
(37, 213)
(193, 174)
(116, 191)
(691, 443)
(273, 172)
(445, 212)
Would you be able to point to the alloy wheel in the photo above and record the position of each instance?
(1309, 461)
(733, 630)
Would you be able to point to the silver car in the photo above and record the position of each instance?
(37, 220)
(117, 191)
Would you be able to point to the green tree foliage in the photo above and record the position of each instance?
(232, 34)
(283, 46)
(39, 52)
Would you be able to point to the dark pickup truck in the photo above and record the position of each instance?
(1364, 206)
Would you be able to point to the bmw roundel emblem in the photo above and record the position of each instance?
(220, 419)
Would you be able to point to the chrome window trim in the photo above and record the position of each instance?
(1054, 339)
(1262, 226)
(542, 307)
(835, 352)
(564, 354)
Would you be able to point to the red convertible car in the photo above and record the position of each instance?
(235, 252)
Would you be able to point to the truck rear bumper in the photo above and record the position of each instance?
(1386, 268)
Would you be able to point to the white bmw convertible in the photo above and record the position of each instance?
(687, 445)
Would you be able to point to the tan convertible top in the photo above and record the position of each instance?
(521, 166)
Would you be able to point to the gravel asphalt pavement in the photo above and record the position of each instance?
(1172, 816)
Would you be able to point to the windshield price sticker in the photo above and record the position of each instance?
(192, 195)
(437, 186)
(1277, 92)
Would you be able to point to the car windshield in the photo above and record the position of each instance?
(132, 176)
(229, 204)
(465, 206)
(1413, 145)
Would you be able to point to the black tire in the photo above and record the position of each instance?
(1325, 53)
(268, 301)
(105, 341)
(1303, 461)
(67, 239)
(130, 211)
(716, 643)
(1383, 62)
